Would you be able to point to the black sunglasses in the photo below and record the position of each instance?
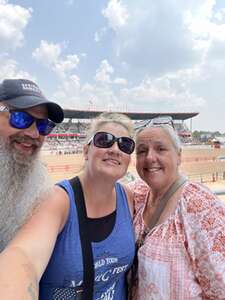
(106, 140)
(22, 120)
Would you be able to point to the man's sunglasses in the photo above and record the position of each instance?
(106, 140)
(22, 120)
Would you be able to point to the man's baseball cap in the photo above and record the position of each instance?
(23, 93)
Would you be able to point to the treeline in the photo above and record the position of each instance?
(199, 135)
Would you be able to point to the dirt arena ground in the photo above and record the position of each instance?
(198, 164)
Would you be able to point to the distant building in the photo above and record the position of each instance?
(205, 137)
(221, 139)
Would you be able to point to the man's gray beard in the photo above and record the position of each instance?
(23, 180)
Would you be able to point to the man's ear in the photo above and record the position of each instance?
(85, 152)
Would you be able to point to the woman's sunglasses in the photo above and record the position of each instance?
(106, 140)
(23, 120)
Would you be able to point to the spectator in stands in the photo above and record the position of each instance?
(26, 117)
(107, 154)
(179, 225)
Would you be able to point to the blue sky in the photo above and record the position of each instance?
(145, 55)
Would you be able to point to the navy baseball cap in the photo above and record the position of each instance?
(23, 93)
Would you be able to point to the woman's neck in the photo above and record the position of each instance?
(157, 194)
(99, 194)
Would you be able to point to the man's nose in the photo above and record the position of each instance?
(32, 131)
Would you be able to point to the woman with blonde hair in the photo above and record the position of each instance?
(49, 247)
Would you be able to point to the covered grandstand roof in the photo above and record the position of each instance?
(90, 114)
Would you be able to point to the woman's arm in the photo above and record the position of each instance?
(24, 260)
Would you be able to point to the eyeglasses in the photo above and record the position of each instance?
(23, 120)
(164, 120)
(158, 121)
(106, 140)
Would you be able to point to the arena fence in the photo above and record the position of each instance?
(207, 177)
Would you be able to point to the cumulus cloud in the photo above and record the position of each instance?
(120, 81)
(160, 37)
(103, 72)
(13, 21)
(171, 92)
(167, 93)
(50, 54)
(11, 69)
(100, 94)
(116, 13)
(178, 62)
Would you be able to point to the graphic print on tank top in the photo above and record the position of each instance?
(108, 272)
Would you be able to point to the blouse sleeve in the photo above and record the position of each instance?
(140, 192)
(204, 224)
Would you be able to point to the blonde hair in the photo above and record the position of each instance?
(107, 118)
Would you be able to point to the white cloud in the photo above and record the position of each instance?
(171, 92)
(161, 37)
(219, 15)
(47, 53)
(13, 20)
(120, 81)
(116, 13)
(50, 54)
(69, 92)
(182, 67)
(164, 93)
(100, 34)
(103, 72)
(11, 69)
(69, 63)
(201, 22)
(95, 96)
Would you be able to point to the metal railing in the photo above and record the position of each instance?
(219, 192)
(207, 177)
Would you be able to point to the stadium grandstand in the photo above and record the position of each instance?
(68, 137)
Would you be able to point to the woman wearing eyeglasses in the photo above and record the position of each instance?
(179, 225)
(53, 230)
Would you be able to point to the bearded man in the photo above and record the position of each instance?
(26, 117)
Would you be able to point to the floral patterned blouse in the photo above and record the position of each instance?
(184, 257)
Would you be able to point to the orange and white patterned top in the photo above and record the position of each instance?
(184, 257)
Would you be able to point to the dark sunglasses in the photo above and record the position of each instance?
(23, 120)
(106, 140)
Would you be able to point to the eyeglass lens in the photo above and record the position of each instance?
(23, 120)
(106, 140)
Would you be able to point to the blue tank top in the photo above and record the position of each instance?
(112, 256)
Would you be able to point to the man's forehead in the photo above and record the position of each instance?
(38, 109)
